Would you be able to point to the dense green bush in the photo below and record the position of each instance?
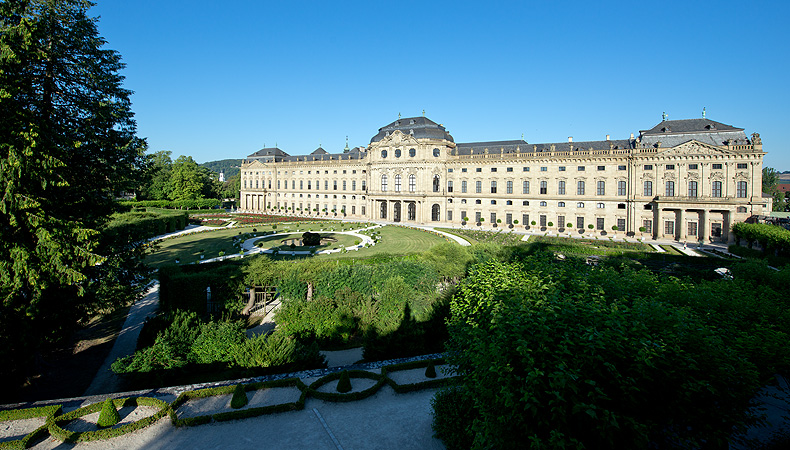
(201, 203)
(562, 355)
(277, 349)
(453, 415)
(772, 238)
(216, 342)
(109, 414)
(239, 399)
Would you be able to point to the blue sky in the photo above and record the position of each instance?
(217, 80)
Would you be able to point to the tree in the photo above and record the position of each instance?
(155, 183)
(67, 149)
(771, 186)
(231, 188)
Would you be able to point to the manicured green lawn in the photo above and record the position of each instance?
(187, 249)
(396, 240)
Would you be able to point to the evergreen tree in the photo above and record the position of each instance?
(67, 148)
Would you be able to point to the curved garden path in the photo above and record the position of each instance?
(249, 245)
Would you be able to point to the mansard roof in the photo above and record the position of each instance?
(319, 151)
(269, 151)
(672, 133)
(521, 146)
(418, 127)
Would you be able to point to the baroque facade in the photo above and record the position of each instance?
(683, 179)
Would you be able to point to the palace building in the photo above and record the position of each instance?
(682, 179)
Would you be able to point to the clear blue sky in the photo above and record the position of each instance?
(217, 80)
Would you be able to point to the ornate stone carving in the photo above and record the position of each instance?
(741, 176)
(694, 148)
(756, 139)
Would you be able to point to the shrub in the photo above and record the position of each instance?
(109, 415)
(217, 341)
(454, 413)
(430, 371)
(344, 383)
(239, 399)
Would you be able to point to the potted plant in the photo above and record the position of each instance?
(533, 223)
(515, 222)
(480, 223)
(498, 221)
(642, 230)
(464, 220)
(614, 228)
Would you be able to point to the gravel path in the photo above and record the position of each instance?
(105, 381)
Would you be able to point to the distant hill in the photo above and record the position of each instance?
(230, 166)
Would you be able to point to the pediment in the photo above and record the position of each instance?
(255, 164)
(694, 148)
(397, 138)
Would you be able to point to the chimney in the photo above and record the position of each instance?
(632, 135)
(607, 137)
(570, 138)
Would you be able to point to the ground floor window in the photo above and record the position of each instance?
(648, 224)
(580, 223)
(599, 223)
(383, 210)
(464, 217)
(525, 219)
(449, 215)
(621, 224)
(560, 221)
(715, 229)
(435, 212)
(478, 215)
(692, 229)
(543, 220)
(509, 218)
(669, 227)
(363, 210)
(353, 209)
(411, 211)
(493, 218)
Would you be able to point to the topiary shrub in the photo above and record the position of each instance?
(430, 371)
(344, 383)
(239, 397)
(109, 415)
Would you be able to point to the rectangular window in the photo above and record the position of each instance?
(648, 167)
(450, 170)
(463, 186)
(509, 169)
(525, 219)
(715, 166)
(580, 188)
(363, 188)
(580, 223)
(648, 189)
(464, 217)
(508, 218)
(601, 167)
(580, 168)
(353, 209)
(561, 222)
(478, 187)
(648, 226)
(692, 229)
(493, 187)
(561, 168)
(326, 185)
(363, 209)
(620, 167)
(509, 187)
(670, 167)
(740, 189)
(692, 188)
(478, 215)
(543, 220)
(525, 169)
(493, 169)
(693, 167)
(669, 227)
(525, 203)
(353, 185)
(544, 187)
(544, 169)
(716, 191)
(742, 166)
(344, 185)
(620, 224)
(301, 184)
(525, 187)
(621, 188)
(493, 217)
(449, 215)
(463, 170)
(600, 188)
(278, 184)
(449, 186)
(670, 189)
(479, 169)
(561, 188)
(293, 184)
(309, 184)
(599, 223)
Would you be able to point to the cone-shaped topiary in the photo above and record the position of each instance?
(430, 371)
(239, 397)
(109, 415)
(344, 383)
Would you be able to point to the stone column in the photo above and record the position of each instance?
(703, 231)
(727, 235)
(679, 223)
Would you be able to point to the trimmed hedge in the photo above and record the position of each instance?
(28, 413)
(60, 433)
(348, 397)
(772, 238)
(201, 203)
(242, 413)
(410, 387)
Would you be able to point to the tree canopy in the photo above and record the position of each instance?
(67, 148)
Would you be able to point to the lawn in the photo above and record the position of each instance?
(397, 241)
(187, 249)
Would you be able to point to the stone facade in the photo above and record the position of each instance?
(683, 179)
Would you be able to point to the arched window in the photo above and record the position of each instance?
(412, 210)
(383, 153)
(384, 183)
(412, 182)
(382, 210)
(397, 153)
(436, 183)
(435, 212)
(436, 152)
(397, 183)
(412, 152)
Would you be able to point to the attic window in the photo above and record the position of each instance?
(710, 126)
(411, 122)
(411, 132)
(666, 129)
